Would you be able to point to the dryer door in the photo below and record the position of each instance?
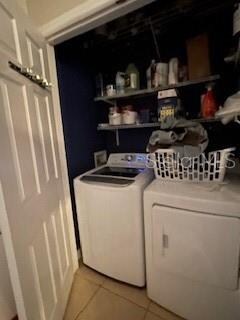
(197, 246)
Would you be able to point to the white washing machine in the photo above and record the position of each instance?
(192, 236)
(109, 203)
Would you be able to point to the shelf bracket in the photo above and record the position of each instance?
(117, 137)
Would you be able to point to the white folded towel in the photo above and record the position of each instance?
(179, 142)
(230, 110)
(163, 137)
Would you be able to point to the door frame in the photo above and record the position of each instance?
(62, 152)
(86, 17)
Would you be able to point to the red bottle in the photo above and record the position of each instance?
(209, 104)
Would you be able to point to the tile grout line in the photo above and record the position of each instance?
(149, 303)
(161, 317)
(88, 302)
(145, 316)
(118, 295)
(147, 309)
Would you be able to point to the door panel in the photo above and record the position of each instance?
(7, 304)
(33, 50)
(35, 56)
(197, 246)
(9, 40)
(15, 106)
(31, 181)
(45, 132)
(61, 237)
(41, 270)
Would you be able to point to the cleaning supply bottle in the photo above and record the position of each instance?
(120, 82)
(133, 76)
(209, 104)
(151, 71)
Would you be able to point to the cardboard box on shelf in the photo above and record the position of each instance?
(198, 57)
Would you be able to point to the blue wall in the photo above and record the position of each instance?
(79, 114)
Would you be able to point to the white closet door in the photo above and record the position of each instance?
(33, 214)
(197, 246)
(7, 303)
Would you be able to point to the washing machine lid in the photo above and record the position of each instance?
(108, 180)
(117, 172)
(220, 199)
(120, 176)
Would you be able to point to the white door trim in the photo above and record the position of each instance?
(9, 251)
(61, 145)
(87, 16)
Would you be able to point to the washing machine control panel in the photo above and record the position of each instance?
(128, 159)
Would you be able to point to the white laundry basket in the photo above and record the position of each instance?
(169, 166)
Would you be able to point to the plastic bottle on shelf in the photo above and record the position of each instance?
(151, 71)
(114, 116)
(209, 103)
(173, 71)
(133, 76)
(120, 82)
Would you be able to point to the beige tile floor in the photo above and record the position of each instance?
(96, 297)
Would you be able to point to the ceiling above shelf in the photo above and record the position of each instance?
(149, 92)
(162, 15)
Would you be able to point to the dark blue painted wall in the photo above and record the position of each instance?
(79, 114)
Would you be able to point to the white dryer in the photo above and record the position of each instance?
(109, 203)
(192, 236)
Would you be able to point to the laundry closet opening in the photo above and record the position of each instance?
(158, 31)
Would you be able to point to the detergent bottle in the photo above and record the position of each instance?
(209, 104)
